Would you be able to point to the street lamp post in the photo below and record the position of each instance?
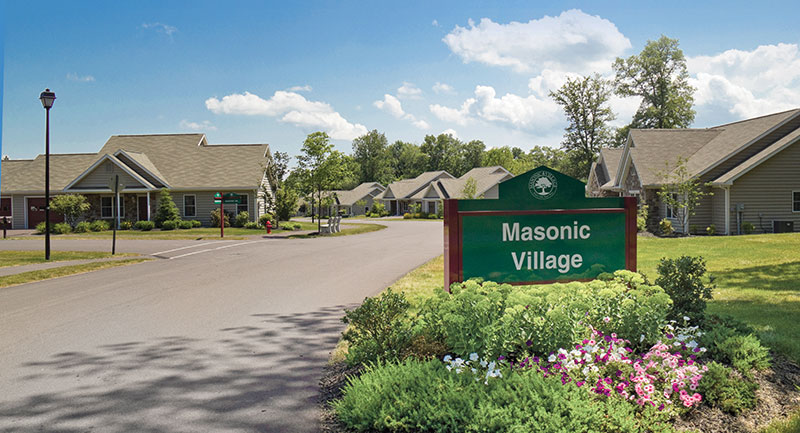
(47, 97)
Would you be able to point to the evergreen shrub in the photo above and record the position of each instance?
(665, 226)
(99, 226)
(61, 228)
(252, 225)
(722, 388)
(241, 219)
(195, 224)
(144, 226)
(167, 210)
(42, 227)
(169, 225)
(184, 224)
(215, 219)
(684, 281)
(125, 225)
(379, 328)
(82, 227)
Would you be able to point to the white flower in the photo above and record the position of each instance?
(473, 356)
(606, 319)
(492, 365)
(448, 367)
(685, 318)
(483, 363)
(641, 338)
(447, 358)
(474, 370)
(551, 358)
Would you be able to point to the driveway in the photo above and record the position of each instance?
(229, 339)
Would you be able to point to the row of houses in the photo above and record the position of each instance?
(186, 164)
(750, 168)
(426, 190)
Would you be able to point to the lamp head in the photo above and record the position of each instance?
(47, 97)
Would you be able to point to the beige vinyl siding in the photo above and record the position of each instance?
(18, 211)
(492, 192)
(718, 210)
(703, 212)
(99, 177)
(767, 191)
(204, 204)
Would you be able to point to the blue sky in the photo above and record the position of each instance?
(254, 72)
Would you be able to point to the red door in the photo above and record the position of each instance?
(35, 207)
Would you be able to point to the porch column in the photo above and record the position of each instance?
(148, 205)
(727, 210)
(119, 198)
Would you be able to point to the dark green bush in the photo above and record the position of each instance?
(215, 219)
(184, 224)
(195, 223)
(169, 225)
(379, 328)
(125, 225)
(684, 281)
(745, 353)
(61, 228)
(748, 228)
(99, 226)
(262, 220)
(82, 227)
(242, 218)
(426, 397)
(721, 387)
(252, 225)
(167, 210)
(144, 226)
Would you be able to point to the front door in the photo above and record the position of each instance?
(393, 206)
(35, 208)
(142, 208)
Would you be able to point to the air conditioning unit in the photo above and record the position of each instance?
(782, 226)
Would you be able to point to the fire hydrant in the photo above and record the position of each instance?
(269, 227)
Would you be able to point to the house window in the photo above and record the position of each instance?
(107, 207)
(795, 201)
(242, 207)
(670, 211)
(189, 208)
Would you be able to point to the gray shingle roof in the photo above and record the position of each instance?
(758, 158)
(611, 158)
(485, 178)
(404, 189)
(349, 198)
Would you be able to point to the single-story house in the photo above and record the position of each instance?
(751, 167)
(359, 200)
(186, 164)
(400, 194)
(486, 181)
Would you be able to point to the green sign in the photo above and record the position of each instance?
(541, 228)
(229, 198)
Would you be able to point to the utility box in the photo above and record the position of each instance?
(782, 226)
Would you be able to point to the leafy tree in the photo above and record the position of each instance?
(167, 210)
(470, 190)
(470, 155)
(659, 76)
(442, 151)
(72, 206)
(682, 192)
(585, 103)
(371, 152)
(320, 165)
(285, 203)
(408, 160)
(349, 176)
(276, 168)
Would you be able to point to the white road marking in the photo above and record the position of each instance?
(213, 249)
(190, 246)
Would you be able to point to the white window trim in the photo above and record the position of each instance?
(185, 215)
(248, 204)
(113, 204)
(796, 191)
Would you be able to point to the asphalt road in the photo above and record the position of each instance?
(222, 339)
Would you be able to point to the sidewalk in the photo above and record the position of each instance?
(14, 270)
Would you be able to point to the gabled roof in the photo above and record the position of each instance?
(608, 163)
(755, 160)
(28, 175)
(366, 189)
(143, 162)
(112, 159)
(656, 151)
(485, 178)
(404, 189)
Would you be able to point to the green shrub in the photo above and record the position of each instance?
(748, 228)
(683, 280)
(711, 230)
(493, 319)
(144, 226)
(125, 225)
(665, 226)
(167, 210)
(195, 224)
(252, 225)
(433, 216)
(99, 226)
(42, 227)
(169, 225)
(379, 328)
(641, 218)
(718, 329)
(185, 225)
(720, 387)
(241, 219)
(426, 397)
(82, 227)
(407, 216)
(72, 206)
(379, 210)
(262, 220)
(61, 228)
(745, 353)
(215, 219)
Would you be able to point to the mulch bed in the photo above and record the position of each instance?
(778, 397)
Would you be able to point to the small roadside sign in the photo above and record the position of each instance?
(229, 198)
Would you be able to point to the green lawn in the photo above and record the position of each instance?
(197, 233)
(757, 277)
(347, 229)
(62, 271)
(16, 258)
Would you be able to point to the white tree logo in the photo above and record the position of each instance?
(543, 185)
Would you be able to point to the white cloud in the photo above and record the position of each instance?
(393, 106)
(747, 83)
(162, 28)
(439, 88)
(194, 126)
(83, 79)
(572, 41)
(460, 116)
(305, 88)
(548, 81)
(435, 23)
(450, 131)
(292, 108)
(409, 91)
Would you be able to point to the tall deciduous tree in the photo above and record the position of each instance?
(320, 165)
(659, 76)
(682, 192)
(371, 152)
(585, 103)
(72, 206)
(442, 151)
(276, 169)
(408, 160)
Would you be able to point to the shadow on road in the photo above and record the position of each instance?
(260, 377)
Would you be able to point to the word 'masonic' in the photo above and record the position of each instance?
(527, 233)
